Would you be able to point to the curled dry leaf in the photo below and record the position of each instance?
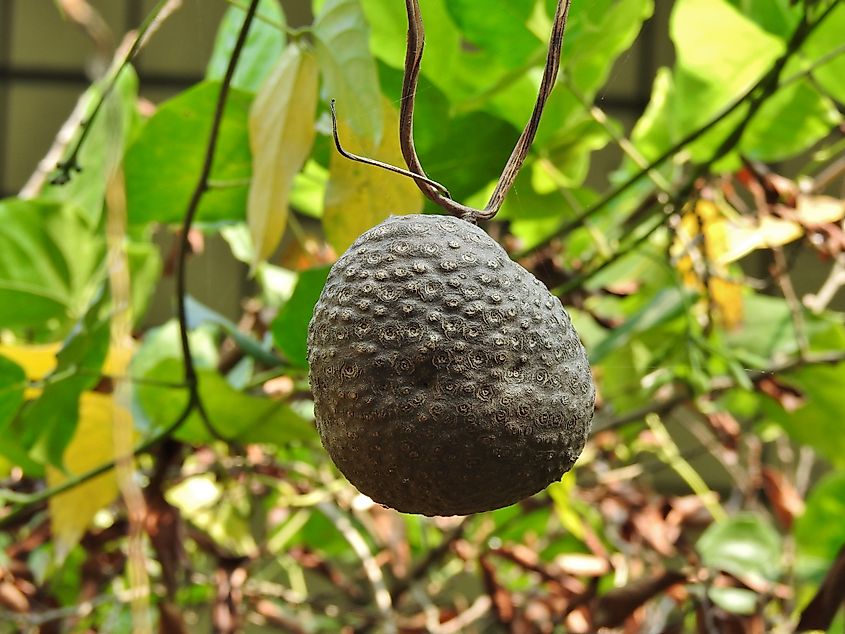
(281, 133)
(787, 503)
(789, 397)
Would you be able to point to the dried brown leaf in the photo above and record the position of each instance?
(787, 503)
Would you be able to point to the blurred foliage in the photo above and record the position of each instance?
(704, 273)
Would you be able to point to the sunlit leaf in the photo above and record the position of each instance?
(735, 600)
(163, 165)
(47, 424)
(233, 414)
(778, 17)
(712, 72)
(37, 361)
(819, 209)
(349, 70)
(309, 187)
(290, 328)
(91, 446)
(281, 124)
(360, 196)
(264, 44)
(819, 532)
(388, 26)
(597, 32)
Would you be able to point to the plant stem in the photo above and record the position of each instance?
(190, 214)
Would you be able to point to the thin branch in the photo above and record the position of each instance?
(191, 212)
(159, 13)
(385, 166)
(796, 310)
(413, 60)
(520, 152)
(835, 281)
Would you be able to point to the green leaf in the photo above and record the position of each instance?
(48, 264)
(720, 46)
(290, 327)
(263, 46)
(164, 163)
(198, 313)
(500, 29)
(388, 27)
(820, 531)
(826, 39)
(12, 385)
(597, 32)
(145, 275)
(744, 545)
(103, 148)
(768, 330)
(309, 189)
(233, 414)
(349, 70)
(791, 121)
(817, 422)
(664, 307)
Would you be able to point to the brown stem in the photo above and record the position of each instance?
(188, 221)
(385, 166)
(413, 60)
(520, 151)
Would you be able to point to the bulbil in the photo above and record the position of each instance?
(447, 379)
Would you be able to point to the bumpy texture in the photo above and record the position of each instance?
(447, 380)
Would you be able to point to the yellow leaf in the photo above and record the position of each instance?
(37, 361)
(360, 196)
(703, 239)
(281, 133)
(746, 235)
(91, 446)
